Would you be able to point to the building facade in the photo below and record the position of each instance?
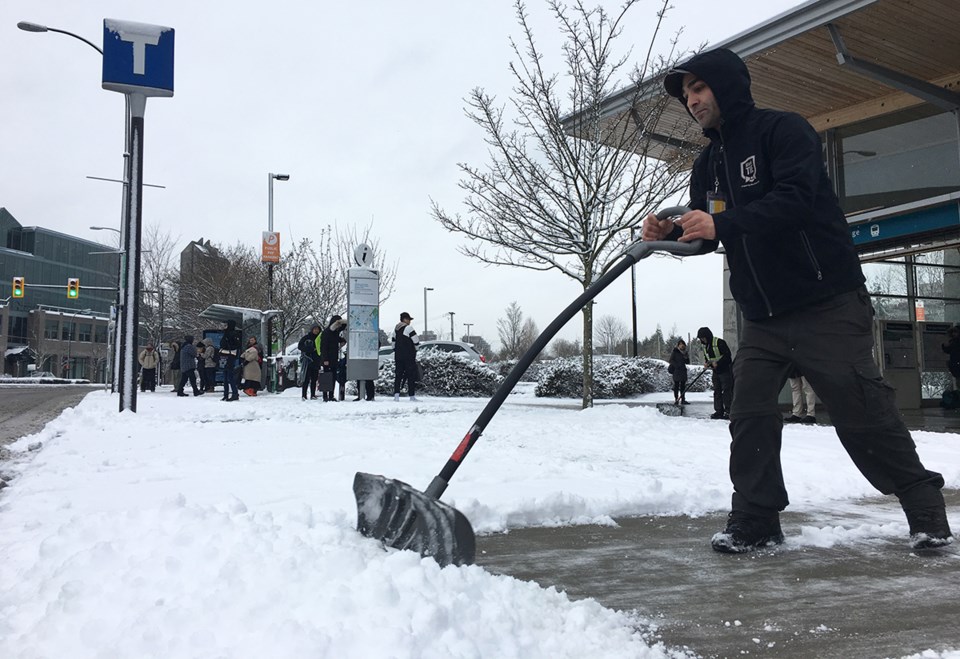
(45, 329)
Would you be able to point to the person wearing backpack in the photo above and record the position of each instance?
(330, 353)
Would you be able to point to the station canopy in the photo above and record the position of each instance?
(835, 62)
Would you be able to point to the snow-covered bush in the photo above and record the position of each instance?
(504, 367)
(444, 374)
(615, 377)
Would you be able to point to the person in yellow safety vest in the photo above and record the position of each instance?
(718, 357)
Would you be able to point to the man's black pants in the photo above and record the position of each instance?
(722, 391)
(406, 371)
(831, 343)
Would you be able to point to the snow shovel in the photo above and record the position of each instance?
(672, 409)
(402, 517)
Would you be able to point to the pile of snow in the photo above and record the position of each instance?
(202, 528)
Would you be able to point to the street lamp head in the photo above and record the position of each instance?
(281, 177)
(426, 288)
(105, 229)
(27, 26)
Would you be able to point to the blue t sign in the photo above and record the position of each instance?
(137, 58)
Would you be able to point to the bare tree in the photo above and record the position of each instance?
(158, 272)
(549, 200)
(516, 333)
(563, 348)
(611, 332)
(347, 239)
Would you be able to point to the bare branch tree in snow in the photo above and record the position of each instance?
(548, 200)
(516, 333)
(610, 331)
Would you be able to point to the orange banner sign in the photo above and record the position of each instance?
(271, 247)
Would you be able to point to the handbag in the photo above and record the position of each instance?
(325, 381)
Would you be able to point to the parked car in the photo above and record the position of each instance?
(39, 374)
(458, 348)
(385, 354)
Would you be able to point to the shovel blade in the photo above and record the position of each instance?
(405, 518)
(670, 409)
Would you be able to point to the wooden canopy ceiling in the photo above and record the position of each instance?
(793, 62)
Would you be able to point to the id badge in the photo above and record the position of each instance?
(716, 203)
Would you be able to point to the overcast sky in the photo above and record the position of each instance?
(361, 103)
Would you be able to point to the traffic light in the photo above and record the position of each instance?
(18, 286)
(73, 288)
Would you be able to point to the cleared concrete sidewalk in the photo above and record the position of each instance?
(865, 599)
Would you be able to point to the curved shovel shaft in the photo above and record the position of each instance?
(405, 518)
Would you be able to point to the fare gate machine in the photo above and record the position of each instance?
(908, 350)
(899, 363)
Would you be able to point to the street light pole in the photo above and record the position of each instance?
(269, 328)
(425, 289)
(270, 178)
(113, 345)
(468, 326)
(451, 324)
(633, 297)
(27, 26)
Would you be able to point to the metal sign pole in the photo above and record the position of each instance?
(130, 319)
(138, 62)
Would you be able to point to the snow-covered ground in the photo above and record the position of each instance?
(197, 528)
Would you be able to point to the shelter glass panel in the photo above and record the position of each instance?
(898, 158)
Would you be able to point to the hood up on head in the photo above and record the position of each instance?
(725, 74)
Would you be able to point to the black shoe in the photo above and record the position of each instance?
(793, 418)
(233, 397)
(180, 394)
(718, 415)
(746, 532)
(357, 398)
(929, 527)
(684, 402)
(199, 392)
(808, 419)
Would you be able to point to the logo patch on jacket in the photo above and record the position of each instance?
(748, 171)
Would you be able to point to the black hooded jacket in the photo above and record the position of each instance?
(230, 342)
(786, 239)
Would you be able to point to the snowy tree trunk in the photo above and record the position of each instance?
(588, 356)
